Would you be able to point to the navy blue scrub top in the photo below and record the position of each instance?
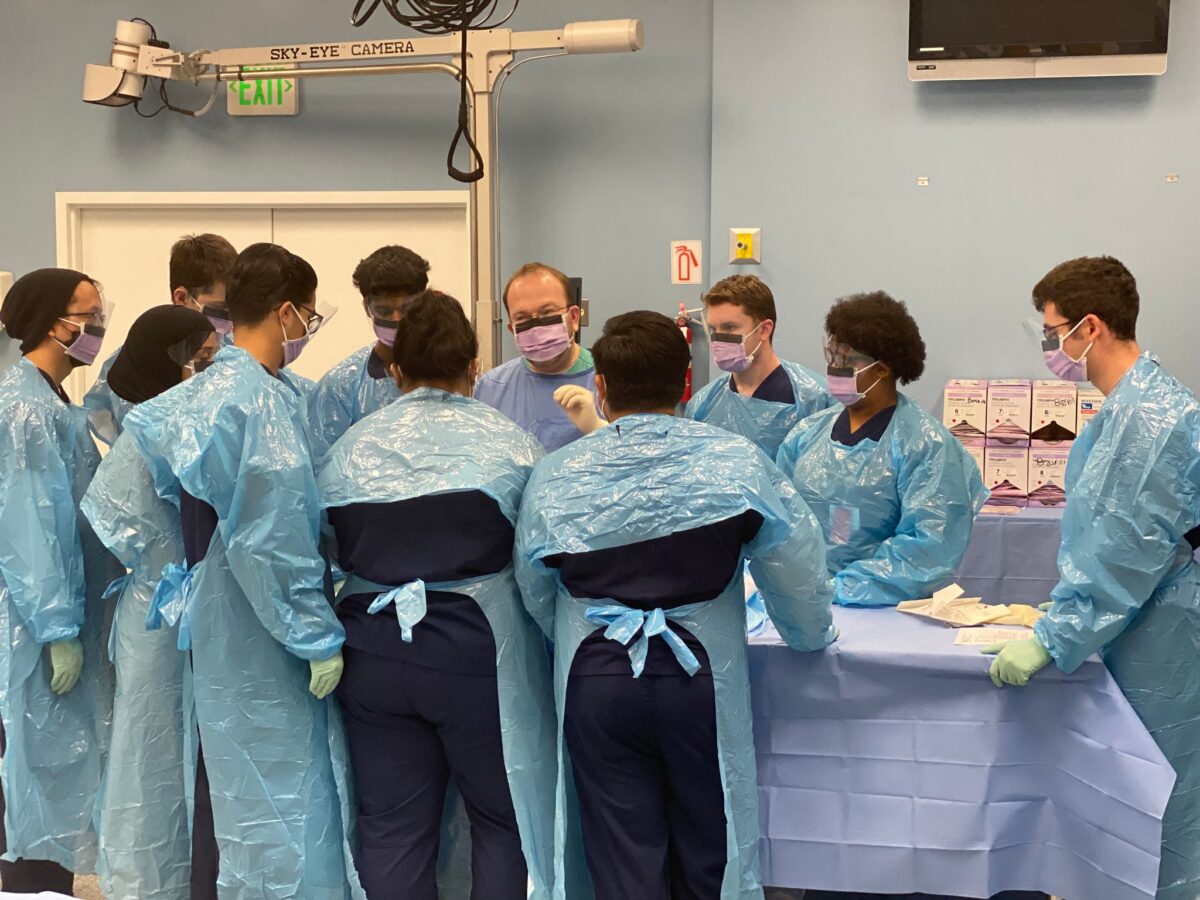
(455, 536)
(775, 388)
(687, 567)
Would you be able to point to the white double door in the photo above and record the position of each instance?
(124, 241)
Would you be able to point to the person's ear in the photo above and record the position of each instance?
(288, 316)
(395, 372)
(1092, 328)
(181, 297)
(767, 330)
(575, 314)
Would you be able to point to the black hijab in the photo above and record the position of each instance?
(160, 342)
(36, 301)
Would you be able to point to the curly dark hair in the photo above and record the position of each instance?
(434, 340)
(1092, 285)
(879, 326)
(391, 271)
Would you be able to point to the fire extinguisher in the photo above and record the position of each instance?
(687, 336)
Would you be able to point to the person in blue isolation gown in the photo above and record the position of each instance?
(896, 494)
(144, 841)
(230, 447)
(545, 326)
(761, 397)
(630, 551)
(53, 579)
(361, 383)
(198, 268)
(447, 677)
(1129, 585)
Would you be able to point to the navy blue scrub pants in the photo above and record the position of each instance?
(410, 729)
(645, 759)
(205, 855)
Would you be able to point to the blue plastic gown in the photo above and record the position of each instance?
(53, 576)
(145, 844)
(105, 409)
(345, 395)
(527, 398)
(1129, 586)
(649, 476)
(431, 442)
(896, 513)
(762, 422)
(256, 611)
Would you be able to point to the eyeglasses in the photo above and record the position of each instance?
(1050, 332)
(314, 322)
(545, 317)
(839, 356)
(96, 317)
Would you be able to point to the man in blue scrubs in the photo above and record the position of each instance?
(545, 326)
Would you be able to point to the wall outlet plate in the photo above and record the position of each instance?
(745, 246)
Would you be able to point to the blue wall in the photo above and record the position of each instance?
(818, 138)
(604, 158)
(796, 118)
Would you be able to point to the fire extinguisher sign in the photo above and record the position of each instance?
(686, 262)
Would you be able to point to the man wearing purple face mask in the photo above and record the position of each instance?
(199, 267)
(1129, 584)
(544, 324)
(762, 397)
(361, 384)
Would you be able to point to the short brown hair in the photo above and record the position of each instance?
(643, 358)
(1092, 285)
(532, 268)
(199, 261)
(747, 291)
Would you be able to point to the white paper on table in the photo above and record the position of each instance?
(950, 606)
(1001, 510)
(985, 636)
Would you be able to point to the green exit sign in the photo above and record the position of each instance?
(264, 96)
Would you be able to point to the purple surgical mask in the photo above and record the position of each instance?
(543, 339)
(385, 330)
(1060, 362)
(843, 384)
(729, 350)
(218, 315)
(293, 348)
(84, 349)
